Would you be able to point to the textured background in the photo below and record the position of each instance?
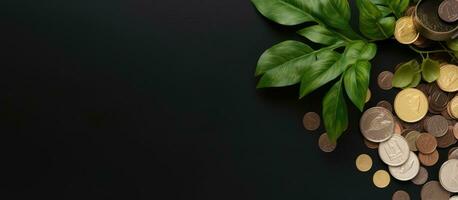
(148, 99)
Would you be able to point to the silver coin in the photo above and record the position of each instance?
(454, 198)
(377, 124)
(406, 171)
(395, 151)
(453, 154)
(448, 175)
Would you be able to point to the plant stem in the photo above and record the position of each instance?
(454, 58)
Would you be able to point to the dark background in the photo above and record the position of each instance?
(148, 99)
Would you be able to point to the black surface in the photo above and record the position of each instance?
(147, 99)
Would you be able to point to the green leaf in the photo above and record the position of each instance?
(397, 7)
(453, 44)
(285, 12)
(430, 70)
(406, 73)
(335, 112)
(283, 64)
(356, 80)
(320, 34)
(372, 22)
(332, 66)
(281, 54)
(415, 81)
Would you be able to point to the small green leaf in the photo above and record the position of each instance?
(373, 23)
(415, 81)
(285, 12)
(430, 70)
(406, 74)
(320, 34)
(335, 114)
(453, 44)
(356, 80)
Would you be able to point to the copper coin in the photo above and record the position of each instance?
(433, 191)
(447, 140)
(401, 195)
(311, 121)
(384, 80)
(370, 145)
(429, 159)
(423, 87)
(426, 143)
(436, 125)
(438, 100)
(421, 177)
(446, 115)
(397, 128)
(325, 144)
(455, 130)
(448, 10)
(385, 104)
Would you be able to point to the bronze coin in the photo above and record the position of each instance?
(446, 115)
(438, 100)
(429, 159)
(447, 140)
(423, 87)
(370, 145)
(426, 143)
(385, 104)
(436, 125)
(433, 190)
(325, 144)
(406, 131)
(421, 177)
(384, 80)
(422, 42)
(401, 195)
(448, 10)
(311, 121)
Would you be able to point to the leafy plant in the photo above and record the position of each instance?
(344, 54)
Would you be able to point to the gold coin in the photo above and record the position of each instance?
(368, 95)
(411, 105)
(381, 179)
(404, 31)
(448, 78)
(364, 162)
(453, 107)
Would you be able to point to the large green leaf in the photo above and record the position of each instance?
(356, 80)
(286, 12)
(430, 70)
(322, 35)
(322, 72)
(335, 111)
(373, 23)
(406, 73)
(397, 7)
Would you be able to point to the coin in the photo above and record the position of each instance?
(377, 124)
(447, 140)
(455, 130)
(406, 171)
(397, 128)
(453, 153)
(454, 198)
(429, 159)
(410, 11)
(395, 151)
(370, 145)
(421, 177)
(381, 179)
(448, 175)
(401, 195)
(364, 162)
(448, 10)
(368, 95)
(432, 190)
(426, 143)
(325, 144)
(453, 107)
(436, 125)
(404, 31)
(411, 105)
(411, 138)
(448, 78)
(384, 80)
(311, 121)
(438, 101)
(385, 104)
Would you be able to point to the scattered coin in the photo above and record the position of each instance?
(429, 159)
(438, 101)
(368, 96)
(370, 145)
(401, 195)
(364, 162)
(421, 177)
(408, 170)
(454, 198)
(381, 179)
(436, 125)
(432, 190)
(377, 124)
(447, 140)
(448, 10)
(448, 175)
(426, 143)
(395, 151)
(311, 121)
(453, 107)
(384, 80)
(453, 153)
(405, 32)
(411, 105)
(397, 128)
(455, 131)
(448, 78)
(325, 144)
(411, 138)
(385, 104)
